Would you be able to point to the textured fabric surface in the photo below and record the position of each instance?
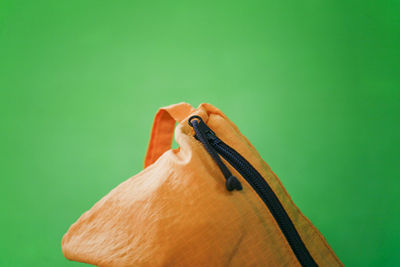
(177, 211)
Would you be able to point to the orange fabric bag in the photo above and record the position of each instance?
(211, 202)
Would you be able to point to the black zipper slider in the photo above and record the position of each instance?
(207, 137)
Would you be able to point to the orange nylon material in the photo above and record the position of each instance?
(177, 211)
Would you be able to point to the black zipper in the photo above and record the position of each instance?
(216, 147)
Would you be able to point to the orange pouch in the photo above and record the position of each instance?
(211, 202)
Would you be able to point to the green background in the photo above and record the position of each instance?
(313, 84)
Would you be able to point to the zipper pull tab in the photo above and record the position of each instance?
(233, 183)
(205, 135)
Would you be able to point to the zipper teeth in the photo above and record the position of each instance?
(270, 199)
